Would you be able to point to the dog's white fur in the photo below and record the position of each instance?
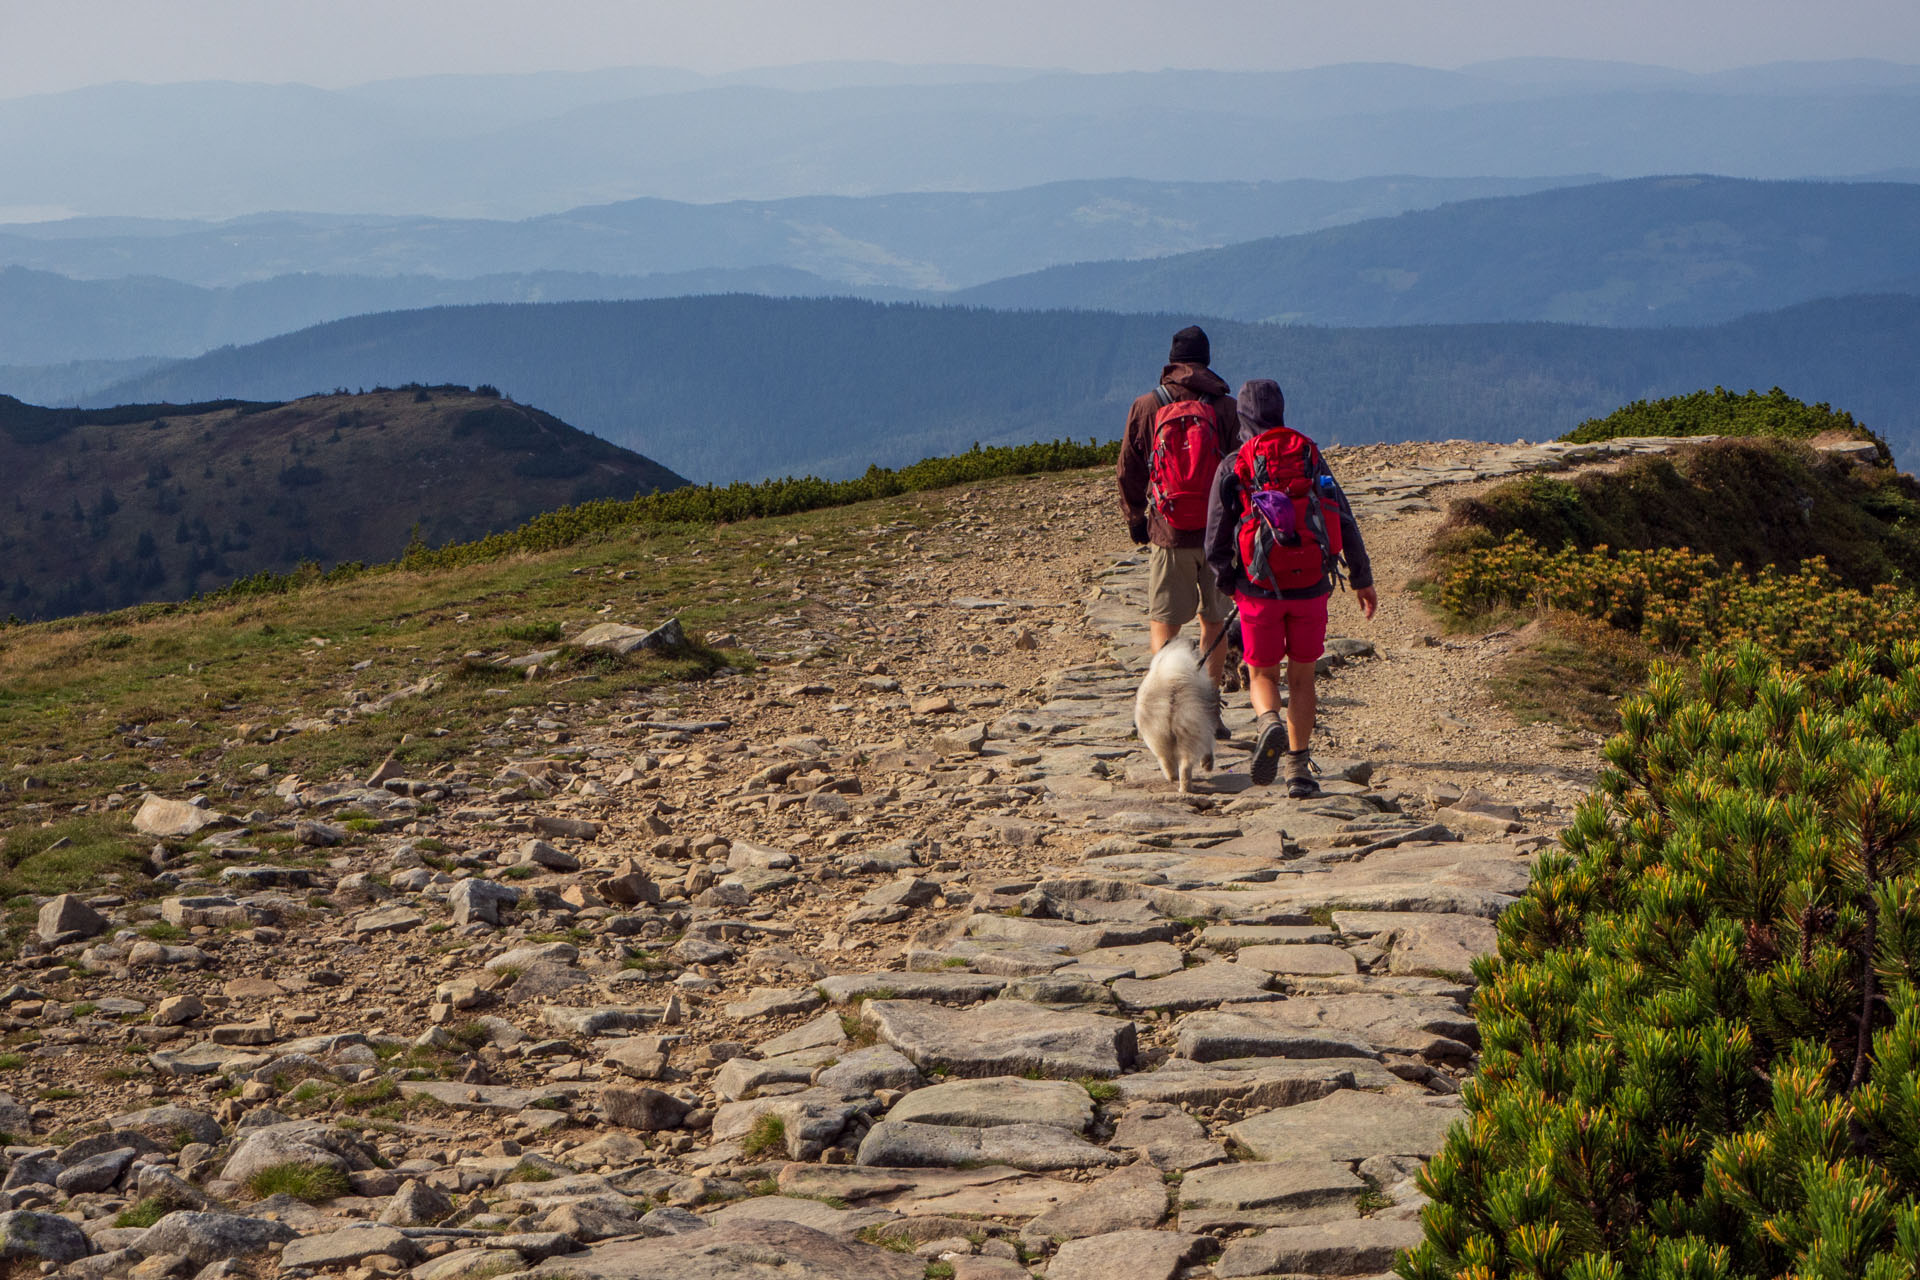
(1174, 712)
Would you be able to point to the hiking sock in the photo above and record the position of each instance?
(1265, 765)
(1300, 783)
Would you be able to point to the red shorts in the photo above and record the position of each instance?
(1274, 629)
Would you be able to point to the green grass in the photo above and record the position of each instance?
(144, 1213)
(59, 1093)
(858, 1033)
(1573, 673)
(12, 1061)
(768, 1134)
(310, 1182)
(91, 851)
(1100, 1090)
(882, 1238)
(162, 931)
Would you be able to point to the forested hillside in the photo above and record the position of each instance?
(144, 502)
(1655, 251)
(729, 388)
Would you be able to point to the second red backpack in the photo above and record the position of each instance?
(1289, 533)
(1186, 455)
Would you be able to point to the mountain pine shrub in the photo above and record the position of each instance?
(1680, 601)
(1701, 1034)
(1721, 412)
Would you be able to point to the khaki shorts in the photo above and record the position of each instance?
(1179, 584)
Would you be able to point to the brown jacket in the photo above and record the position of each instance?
(1194, 382)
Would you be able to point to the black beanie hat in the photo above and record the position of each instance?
(1263, 406)
(1190, 346)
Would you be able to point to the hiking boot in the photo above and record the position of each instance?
(1300, 783)
(1220, 731)
(1265, 765)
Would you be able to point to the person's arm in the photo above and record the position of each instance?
(1223, 521)
(1131, 473)
(1353, 548)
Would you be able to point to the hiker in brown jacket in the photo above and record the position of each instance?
(1179, 583)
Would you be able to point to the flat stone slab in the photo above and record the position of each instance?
(1073, 939)
(1331, 1026)
(1255, 1082)
(1229, 937)
(1470, 879)
(845, 1223)
(1004, 1037)
(346, 1247)
(999, 1100)
(1144, 960)
(1167, 1137)
(744, 1250)
(1423, 944)
(1350, 1125)
(1201, 987)
(1260, 1184)
(1362, 1246)
(1038, 1148)
(1134, 1197)
(1136, 1255)
(950, 988)
(1309, 959)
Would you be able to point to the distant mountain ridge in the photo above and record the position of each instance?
(1676, 250)
(1650, 251)
(924, 240)
(111, 507)
(216, 149)
(741, 388)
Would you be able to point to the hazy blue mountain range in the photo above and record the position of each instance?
(726, 388)
(931, 240)
(1644, 251)
(1679, 250)
(47, 319)
(219, 149)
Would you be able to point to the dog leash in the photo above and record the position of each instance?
(1233, 616)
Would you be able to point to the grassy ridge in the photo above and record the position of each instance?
(703, 505)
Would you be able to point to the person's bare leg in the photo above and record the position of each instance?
(1160, 634)
(1301, 704)
(1265, 690)
(1216, 653)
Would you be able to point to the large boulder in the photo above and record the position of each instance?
(47, 1237)
(67, 919)
(209, 1237)
(173, 819)
(295, 1142)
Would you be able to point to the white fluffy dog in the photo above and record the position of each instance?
(1174, 712)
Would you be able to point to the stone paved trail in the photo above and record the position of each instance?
(900, 953)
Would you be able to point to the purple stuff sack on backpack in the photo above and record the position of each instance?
(1275, 509)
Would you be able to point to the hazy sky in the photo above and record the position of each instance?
(48, 45)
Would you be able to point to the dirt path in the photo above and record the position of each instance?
(901, 939)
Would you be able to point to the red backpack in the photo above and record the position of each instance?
(1185, 458)
(1289, 532)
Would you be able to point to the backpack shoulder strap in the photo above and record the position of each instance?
(1164, 394)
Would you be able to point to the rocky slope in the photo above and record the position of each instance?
(895, 958)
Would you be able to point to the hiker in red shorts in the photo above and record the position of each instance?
(1278, 528)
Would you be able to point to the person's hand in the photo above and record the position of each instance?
(1369, 601)
(1137, 530)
